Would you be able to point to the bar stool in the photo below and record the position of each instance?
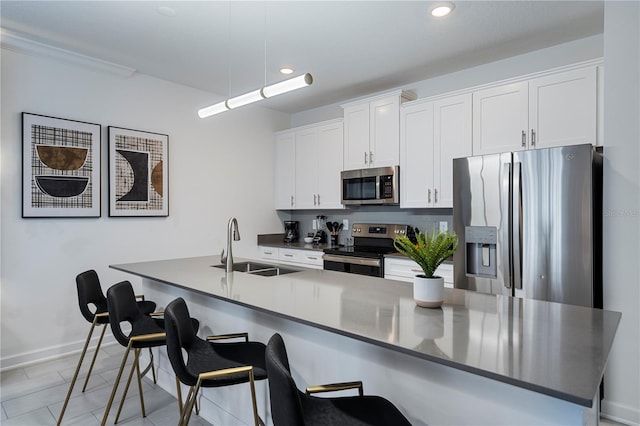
(93, 306)
(146, 332)
(210, 364)
(289, 406)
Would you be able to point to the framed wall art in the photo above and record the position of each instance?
(60, 167)
(138, 173)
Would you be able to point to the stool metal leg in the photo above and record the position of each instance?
(93, 360)
(75, 375)
(115, 385)
(179, 394)
(134, 367)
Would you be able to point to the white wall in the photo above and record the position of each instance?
(218, 168)
(621, 223)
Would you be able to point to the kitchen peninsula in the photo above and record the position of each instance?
(480, 359)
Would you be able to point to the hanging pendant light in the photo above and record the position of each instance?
(257, 95)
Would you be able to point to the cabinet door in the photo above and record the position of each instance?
(563, 109)
(356, 136)
(306, 169)
(500, 119)
(452, 139)
(330, 147)
(285, 171)
(384, 137)
(416, 154)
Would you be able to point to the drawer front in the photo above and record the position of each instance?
(400, 269)
(269, 253)
(405, 269)
(307, 258)
(313, 258)
(288, 255)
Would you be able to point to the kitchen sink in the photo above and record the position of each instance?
(262, 269)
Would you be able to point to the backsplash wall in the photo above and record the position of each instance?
(423, 219)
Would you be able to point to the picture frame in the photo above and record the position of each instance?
(138, 173)
(61, 161)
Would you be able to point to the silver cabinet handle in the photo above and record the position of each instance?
(352, 260)
(524, 139)
(318, 199)
(435, 195)
(288, 255)
(505, 210)
(292, 200)
(516, 236)
(365, 158)
(428, 195)
(533, 137)
(315, 202)
(370, 157)
(268, 252)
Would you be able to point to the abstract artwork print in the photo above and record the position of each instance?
(138, 173)
(61, 167)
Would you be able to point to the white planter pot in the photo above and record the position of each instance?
(428, 292)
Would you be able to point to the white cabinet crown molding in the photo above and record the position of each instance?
(405, 95)
(16, 43)
(598, 62)
(310, 125)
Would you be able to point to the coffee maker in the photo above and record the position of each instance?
(290, 231)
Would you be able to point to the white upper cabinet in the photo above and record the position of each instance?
(416, 154)
(563, 109)
(285, 171)
(433, 133)
(554, 110)
(452, 139)
(372, 131)
(330, 146)
(308, 164)
(500, 119)
(356, 137)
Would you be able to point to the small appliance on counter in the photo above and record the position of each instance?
(320, 237)
(290, 231)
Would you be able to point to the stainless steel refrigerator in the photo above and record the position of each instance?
(529, 224)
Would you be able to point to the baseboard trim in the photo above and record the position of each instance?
(620, 413)
(26, 359)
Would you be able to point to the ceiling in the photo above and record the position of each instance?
(352, 48)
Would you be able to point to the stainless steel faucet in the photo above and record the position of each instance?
(232, 232)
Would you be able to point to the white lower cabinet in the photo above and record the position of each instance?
(403, 269)
(295, 257)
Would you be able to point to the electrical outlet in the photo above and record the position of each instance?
(315, 224)
(345, 224)
(444, 226)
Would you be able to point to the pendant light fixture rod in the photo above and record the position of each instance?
(257, 95)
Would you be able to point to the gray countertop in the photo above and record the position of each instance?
(557, 350)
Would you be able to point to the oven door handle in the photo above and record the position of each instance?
(352, 260)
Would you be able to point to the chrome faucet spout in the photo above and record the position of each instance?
(233, 234)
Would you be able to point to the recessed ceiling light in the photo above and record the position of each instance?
(442, 9)
(286, 70)
(166, 11)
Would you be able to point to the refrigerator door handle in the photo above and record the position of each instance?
(516, 239)
(505, 227)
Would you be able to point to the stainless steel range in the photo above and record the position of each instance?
(370, 243)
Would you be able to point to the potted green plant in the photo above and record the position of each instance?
(429, 251)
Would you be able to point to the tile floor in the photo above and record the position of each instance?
(34, 395)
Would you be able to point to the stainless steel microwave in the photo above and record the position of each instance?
(377, 185)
